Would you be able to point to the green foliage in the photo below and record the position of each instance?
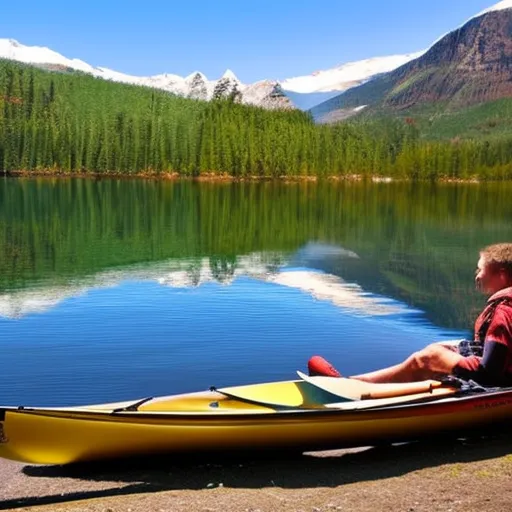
(490, 121)
(445, 121)
(73, 123)
(411, 81)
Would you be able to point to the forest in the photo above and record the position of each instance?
(62, 122)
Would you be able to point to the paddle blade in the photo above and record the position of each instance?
(354, 389)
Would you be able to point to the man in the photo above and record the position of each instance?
(491, 365)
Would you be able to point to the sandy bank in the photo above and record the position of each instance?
(452, 475)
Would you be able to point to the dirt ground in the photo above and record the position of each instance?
(472, 474)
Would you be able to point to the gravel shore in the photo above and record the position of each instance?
(451, 475)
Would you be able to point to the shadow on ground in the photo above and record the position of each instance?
(315, 469)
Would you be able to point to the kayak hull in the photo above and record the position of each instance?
(212, 422)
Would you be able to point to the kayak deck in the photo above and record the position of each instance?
(256, 398)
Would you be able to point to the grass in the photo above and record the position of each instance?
(447, 121)
(490, 120)
(455, 470)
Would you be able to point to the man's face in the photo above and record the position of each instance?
(489, 279)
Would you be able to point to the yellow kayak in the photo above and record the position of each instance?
(307, 414)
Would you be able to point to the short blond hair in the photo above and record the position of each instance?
(499, 256)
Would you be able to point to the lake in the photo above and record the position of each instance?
(119, 289)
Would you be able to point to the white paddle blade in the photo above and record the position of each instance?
(354, 389)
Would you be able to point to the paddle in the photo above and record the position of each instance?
(276, 395)
(353, 389)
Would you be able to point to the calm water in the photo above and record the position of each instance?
(122, 289)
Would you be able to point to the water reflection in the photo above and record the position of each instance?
(416, 243)
(174, 273)
(272, 268)
(141, 338)
(333, 289)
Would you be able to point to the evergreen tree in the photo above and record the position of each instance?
(72, 122)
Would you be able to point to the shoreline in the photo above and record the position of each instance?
(228, 178)
(441, 475)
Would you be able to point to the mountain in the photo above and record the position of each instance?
(310, 90)
(302, 92)
(468, 66)
(265, 93)
(346, 76)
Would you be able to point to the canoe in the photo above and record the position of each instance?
(303, 415)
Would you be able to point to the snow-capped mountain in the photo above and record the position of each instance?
(311, 90)
(304, 91)
(467, 66)
(11, 49)
(504, 4)
(352, 74)
(346, 75)
(265, 93)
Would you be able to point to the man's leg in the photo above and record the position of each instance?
(431, 362)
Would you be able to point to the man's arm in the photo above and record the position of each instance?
(492, 368)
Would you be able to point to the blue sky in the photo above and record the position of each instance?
(256, 39)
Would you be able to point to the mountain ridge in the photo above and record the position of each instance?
(301, 92)
(314, 91)
(265, 93)
(469, 65)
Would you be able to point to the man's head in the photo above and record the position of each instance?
(494, 270)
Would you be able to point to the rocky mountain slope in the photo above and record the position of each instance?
(471, 65)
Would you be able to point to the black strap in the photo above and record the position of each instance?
(466, 385)
(132, 407)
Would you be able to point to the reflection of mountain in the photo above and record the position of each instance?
(175, 273)
(314, 251)
(333, 289)
(195, 273)
(441, 285)
(27, 302)
(186, 274)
